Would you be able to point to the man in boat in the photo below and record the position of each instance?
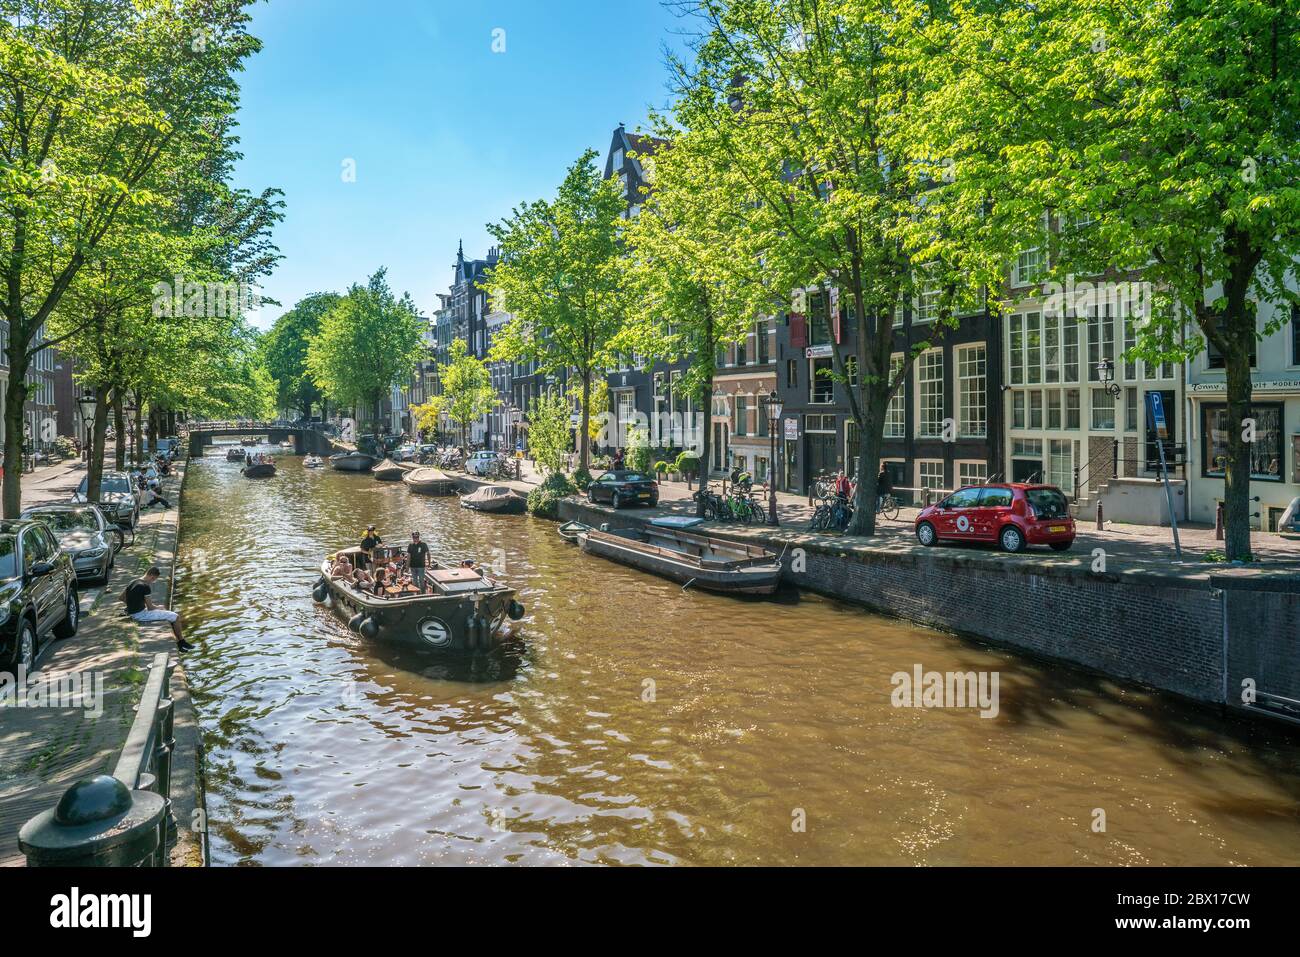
(140, 606)
(368, 546)
(342, 569)
(417, 558)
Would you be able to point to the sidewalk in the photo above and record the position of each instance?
(43, 750)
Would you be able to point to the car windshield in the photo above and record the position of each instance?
(67, 521)
(106, 484)
(1048, 502)
(8, 556)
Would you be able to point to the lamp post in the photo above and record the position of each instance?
(772, 407)
(87, 401)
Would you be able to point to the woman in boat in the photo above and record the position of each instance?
(342, 569)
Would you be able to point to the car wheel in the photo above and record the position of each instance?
(72, 616)
(25, 647)
(1061, 546)
(1011, 539)
(925, 534)
(616, 501)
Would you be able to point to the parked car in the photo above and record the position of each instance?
(85, 534)
(1012, 514)
(118, 497)
(624, 487)
(38, 592)
(405, 453)
(481, 462)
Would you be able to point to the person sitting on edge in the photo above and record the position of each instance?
(342, 568)
(417, 555)
(140, 606)
(155, 495)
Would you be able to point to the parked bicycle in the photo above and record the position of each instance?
(832, 513)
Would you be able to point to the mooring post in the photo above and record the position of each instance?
(1101, 521)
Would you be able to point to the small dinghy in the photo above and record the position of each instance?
(494, 498)
(462, 610)
(352, 462)
(235, 454)
(570, 531)
(429, 481)
(248, 441)
(313, 462)
(260, 470)
(388, 471)
(696, 560)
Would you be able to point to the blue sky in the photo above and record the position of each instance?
(446, 134)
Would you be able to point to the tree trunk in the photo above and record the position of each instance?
(119, 424)
(864, 503)
(584, 436)
(137, 434)
(98, 434)
(706, 444)
(15, 398)
(1236, 481)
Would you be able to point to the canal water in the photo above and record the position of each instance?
(643, 724)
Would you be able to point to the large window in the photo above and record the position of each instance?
(971, 387)
(822, 385)
(929, 473)
(1060, 463)
(1029, 267)
(1267, 463)
(972, 473)
(1103, 410)
(740, 427)
(929, 383)
(761, 343)
(1101, 339)
(896, 414)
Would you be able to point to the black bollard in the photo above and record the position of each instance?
(99, 822)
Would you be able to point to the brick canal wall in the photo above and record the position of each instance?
(1165, 629)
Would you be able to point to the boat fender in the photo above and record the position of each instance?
(370, 627)
(321, 591)
(515, 611)
(478, 631)
(354, 622)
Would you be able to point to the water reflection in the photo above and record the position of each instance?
(634, 722)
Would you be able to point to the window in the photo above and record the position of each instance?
(1030, 264)
(1266, 452)
(740, 352)
(1053, 408)
(1103, 410)
(761, 343)
(1060, 463)
(617, 162)
(1035, 409)
(1101, 339)
(929, 381)
(929, 473)
(1051, 349)
(851, 370)
(791, 373)
(896, 414)
(1130, 409)
(1130, 343)
(1018, 420)
(760, 468)
(742, 416)
(996, 498)
(966, 498)
(1017, 350)
(1033, 348)
(1070, 349)
(972, 473)
(1029, 448)
(819, 333)
(1072, 409)
(822, 385)
(927, 303)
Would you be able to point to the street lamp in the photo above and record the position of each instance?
(772, 407)
(87, 400)
(1106, 372)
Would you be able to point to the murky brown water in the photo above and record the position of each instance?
(323, 749)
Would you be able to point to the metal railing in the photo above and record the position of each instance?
(123, 819)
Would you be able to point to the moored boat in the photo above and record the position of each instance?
(698, 560)
(494, 498)
(429, 481)
(259, 470)
(463, 611)
(352, 462)
(248, 441)
(313, 462)
(388, 471)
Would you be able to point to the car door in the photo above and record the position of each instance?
(995, 503)
(958, 512)
(39, 587)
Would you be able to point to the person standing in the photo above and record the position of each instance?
(883, 486)
(140, 606)
(417, 557)
(618, 459)
(368, 545)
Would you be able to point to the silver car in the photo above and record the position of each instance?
(118, 497)
(85, 535)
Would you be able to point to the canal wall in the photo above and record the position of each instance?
(1196, 635)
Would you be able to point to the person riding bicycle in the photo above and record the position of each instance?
(883, 487)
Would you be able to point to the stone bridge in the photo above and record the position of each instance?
(306, 440)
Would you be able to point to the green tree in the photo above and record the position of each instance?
(367, 342)
(467, 393)
(1162, 143)
(285, 351)
(559, 275)
(549, 431)
(95, 96)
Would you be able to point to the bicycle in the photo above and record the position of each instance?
(887, 506)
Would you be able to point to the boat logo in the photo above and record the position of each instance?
(963, 523)
(435, 632)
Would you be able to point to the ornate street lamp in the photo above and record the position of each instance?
(87, 401)
(772, 407)
(1106, 372)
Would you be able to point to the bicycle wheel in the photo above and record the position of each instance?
(710, 512)
(744, 513)
(889, 508)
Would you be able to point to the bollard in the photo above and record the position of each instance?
(99, 822)
(1101, 522)
(1218, 522)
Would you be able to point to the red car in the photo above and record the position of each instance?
(1013, 515)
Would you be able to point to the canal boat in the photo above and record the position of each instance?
(494, 498)
(313, 462)
(259, 470)
(429, 481)
(388, 471)
(235, 454)
(352, 462)
(696, 560)
(463, 612)
(248, 441)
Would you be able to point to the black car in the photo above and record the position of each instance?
(38, 592)
(624, 487)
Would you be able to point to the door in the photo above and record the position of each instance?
(994, 504)
(957, 514)
(821, 454)
(40, 587)
(1026, 470)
